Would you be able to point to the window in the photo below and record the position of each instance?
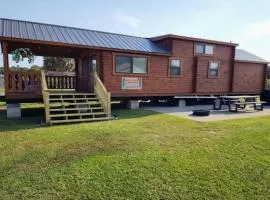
(140, 65)
(209, 49)
(204, 49)
(128, 64)
(123, 64)
(213, 69)
(93, 64)
(175, 67)
(199, 49)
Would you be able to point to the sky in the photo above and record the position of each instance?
(246, 22)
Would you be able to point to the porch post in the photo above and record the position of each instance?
(78, 72)
(13, 109)
(5, 61)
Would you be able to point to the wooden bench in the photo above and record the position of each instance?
(218, 103)
(242, 105)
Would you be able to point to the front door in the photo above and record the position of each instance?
(86, 67)
(91, 70)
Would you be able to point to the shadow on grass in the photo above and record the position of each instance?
(120, 111)
(31, 118)
(131, 114)
(34, 117)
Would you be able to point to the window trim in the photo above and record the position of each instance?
(205, 49)
(204, 54)
(169, 68)
(218, 71)
(131, 67)
(130, 55)
(195, 48)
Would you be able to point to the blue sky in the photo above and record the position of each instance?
(244, 22)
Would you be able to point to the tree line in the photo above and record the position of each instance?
(49, 64)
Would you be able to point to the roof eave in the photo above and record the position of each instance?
(78, 46)
(252, 61)
(158, 38)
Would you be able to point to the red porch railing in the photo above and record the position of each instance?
(58, 81)
(23, 82)
(25, 85)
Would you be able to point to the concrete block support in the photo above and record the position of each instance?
(182, 103)
(133, 104)
(14, 110)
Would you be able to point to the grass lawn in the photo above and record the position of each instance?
(141, 155)
(25, 105)
(2, 90)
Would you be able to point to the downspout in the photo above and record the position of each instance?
(195, 74)
(232, 71)
(265, 77)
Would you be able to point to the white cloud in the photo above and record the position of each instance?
(127, 19)
(255, 30)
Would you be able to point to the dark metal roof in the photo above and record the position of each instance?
(18, 29)
(242, 55)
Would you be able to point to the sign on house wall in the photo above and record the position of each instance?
(131, 83)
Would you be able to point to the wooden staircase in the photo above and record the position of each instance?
(75, 107)
(69, 106)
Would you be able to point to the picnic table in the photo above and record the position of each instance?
(235, 103)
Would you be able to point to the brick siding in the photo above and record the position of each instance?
(248, 78)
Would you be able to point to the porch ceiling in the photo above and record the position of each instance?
(47, 50)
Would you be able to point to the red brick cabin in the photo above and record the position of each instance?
(194, 67)
(129, 67)
(167, 65)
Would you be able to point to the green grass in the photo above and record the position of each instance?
(26, 105)
(141, 155)
(2, 90)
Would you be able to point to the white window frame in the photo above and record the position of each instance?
(205, 47)
(209, 69)
(180, 67)
(132, 64)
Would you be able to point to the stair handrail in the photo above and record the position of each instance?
(43, 80)
(45, 94)
(102, 93)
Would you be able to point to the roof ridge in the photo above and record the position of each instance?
(170, 35)
(63, 26)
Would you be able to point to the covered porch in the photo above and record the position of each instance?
(27, 85)
(40, 86)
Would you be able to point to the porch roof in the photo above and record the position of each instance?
(24, 31)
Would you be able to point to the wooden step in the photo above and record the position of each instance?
(79, 120)
(71, 104)
(72, 99)
(70, 94)
(61, 90)
(78, 114)
(73, 109)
